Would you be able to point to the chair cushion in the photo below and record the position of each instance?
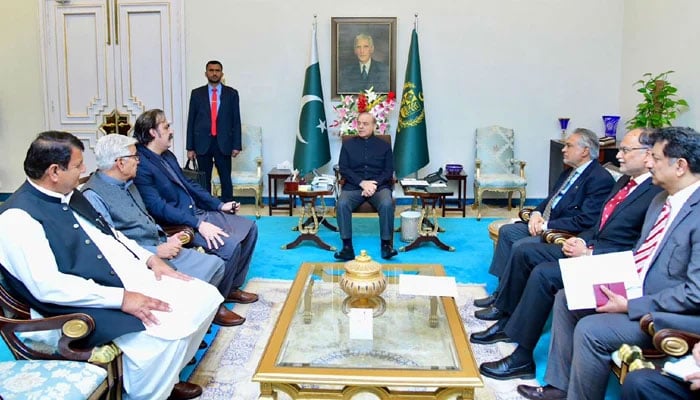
(245, 178)
(500, 181)
(48, 379)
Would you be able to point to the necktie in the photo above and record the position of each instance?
(619, 198)
(643, 254)
(560, 193)
(364, 72)
(214, 109)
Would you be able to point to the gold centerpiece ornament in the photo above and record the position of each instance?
(363, 281)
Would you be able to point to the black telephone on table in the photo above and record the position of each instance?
(437, 176)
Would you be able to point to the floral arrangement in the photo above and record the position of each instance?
(368, 101)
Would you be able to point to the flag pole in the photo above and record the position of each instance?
(415, 21)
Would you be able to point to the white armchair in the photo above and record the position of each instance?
(246, 168)
(496, 168)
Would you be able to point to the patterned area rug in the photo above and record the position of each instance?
(227, 368)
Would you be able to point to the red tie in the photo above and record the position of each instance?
(619, 198)
(641, 256)
(214, 104)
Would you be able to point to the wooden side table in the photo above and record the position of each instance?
(276, 203)
(459, 204)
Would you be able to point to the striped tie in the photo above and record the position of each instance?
(560, 193)
(643, 254)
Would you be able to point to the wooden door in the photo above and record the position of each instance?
(106, 62)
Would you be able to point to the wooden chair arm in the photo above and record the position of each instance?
(477, 168)
(73, 328)
(675, 342)
(556, 236)
(185, 239)
(646, 323)
(11, 306)
(524, 214)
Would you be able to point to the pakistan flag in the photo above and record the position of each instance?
(411, 148)
(312, 149)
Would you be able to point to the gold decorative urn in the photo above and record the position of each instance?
(363, 281)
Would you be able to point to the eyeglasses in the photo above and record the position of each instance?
(626, 150)
(136, 156)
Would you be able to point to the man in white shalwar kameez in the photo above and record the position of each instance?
(59, 255)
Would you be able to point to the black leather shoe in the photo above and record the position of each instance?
(347, 254)
(493, 334)
(507, 368)
(548, 392)
(489, 314)
(486, 301)
(388, 252)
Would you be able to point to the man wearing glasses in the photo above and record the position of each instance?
(112, 193)
(529, 285)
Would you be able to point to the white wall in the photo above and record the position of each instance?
(661, 36)
(515, 63)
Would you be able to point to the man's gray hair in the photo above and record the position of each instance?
(109, 148)
(589, 139)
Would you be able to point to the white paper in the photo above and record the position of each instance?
(683, 367)
(421, 285)
(579, 274)
(413, 182)
(361, 323)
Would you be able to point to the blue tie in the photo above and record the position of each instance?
(562, 191)
(364, 72)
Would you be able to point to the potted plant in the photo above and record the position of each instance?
(660, 105)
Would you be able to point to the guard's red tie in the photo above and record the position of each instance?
(615, 201)
(643, 254)
(214, 109)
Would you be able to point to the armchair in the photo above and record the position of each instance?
(246, 168)
(673, 335)
(496, 169)
(99, 368)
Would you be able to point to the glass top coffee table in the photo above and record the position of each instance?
(419, 348)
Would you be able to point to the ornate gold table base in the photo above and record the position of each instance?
(428, 227)
(267, 392)
(311, 219)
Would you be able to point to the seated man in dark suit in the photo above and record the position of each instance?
(366, 72)
(573, 205)
(112, 192)
(668, 267)
(173, 199)
(367, 165)
(650, 384)
(522, 319)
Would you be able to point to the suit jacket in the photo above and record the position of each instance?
(170, 199)
(622, 229)
(672, 283)
(580, 207)
(228, 121)
(351, 80)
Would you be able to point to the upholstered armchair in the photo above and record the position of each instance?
(496, 168)
(56, 365)
(246, 168)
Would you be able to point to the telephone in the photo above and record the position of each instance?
(437, 176)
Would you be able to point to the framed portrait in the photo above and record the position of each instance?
(363, 55)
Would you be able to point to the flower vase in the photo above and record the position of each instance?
(610, 122)
(563, 124)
